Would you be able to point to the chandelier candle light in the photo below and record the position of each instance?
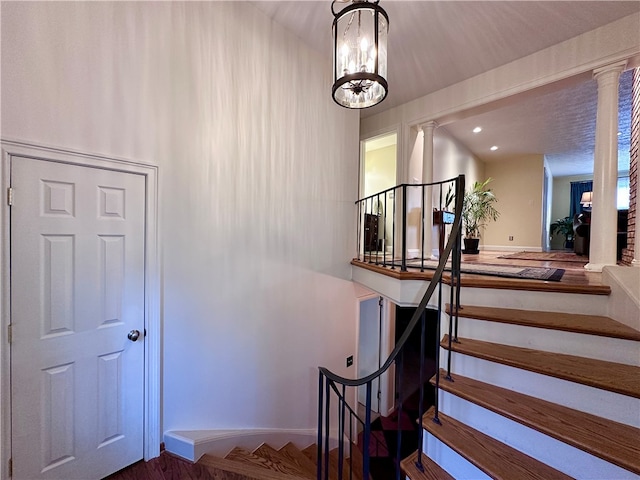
(360, 33)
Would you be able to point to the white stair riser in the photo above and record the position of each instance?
(543, 301)
(557, 341)
(556, 454)
(614, 406)
(456, 465)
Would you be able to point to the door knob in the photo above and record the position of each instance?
(133, 335)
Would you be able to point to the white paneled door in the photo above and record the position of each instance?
(77, 306)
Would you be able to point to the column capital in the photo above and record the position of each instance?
(617, 68)
(431, 124)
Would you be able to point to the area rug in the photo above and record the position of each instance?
(547, 256)
(506, 271)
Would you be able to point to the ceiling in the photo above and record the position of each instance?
(424, 37)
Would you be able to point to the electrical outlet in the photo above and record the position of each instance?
(349, 360)
(511, 238)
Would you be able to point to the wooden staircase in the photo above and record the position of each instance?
(267, 463)
(535, 395)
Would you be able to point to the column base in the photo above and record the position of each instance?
(597, 267)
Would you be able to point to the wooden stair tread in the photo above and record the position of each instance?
(356, 462)
(614, 377)
(432, 471)
(496, 459)
(280, 462)
(569, 322)
(312, 453)
(296, 457)
(614, 442)
(248, 471)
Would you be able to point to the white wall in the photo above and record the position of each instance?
(450, 159)
(518, 184)
(258, 176)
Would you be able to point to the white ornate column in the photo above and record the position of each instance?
(602, 248)
(427, 177)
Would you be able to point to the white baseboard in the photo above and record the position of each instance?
(510, 248)
(193, 444)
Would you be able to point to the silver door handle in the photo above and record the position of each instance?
(133, 335)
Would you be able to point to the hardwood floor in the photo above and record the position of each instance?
(575, 279)
(166, 467)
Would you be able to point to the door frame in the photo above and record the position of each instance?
(152, 400)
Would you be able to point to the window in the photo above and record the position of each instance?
(623, 193)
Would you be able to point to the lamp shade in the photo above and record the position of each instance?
(587, 199)
(360, 54)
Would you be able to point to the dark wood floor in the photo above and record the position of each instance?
(165, 467)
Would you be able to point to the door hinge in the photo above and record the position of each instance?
(10, 196)
(10, 467)
(380, 301)
(9, 333)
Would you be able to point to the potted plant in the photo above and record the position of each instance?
(563, 226)
(477, 210)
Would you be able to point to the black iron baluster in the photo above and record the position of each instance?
(326, 435)
(341, 431)
(423, 333)
(422, 228)
(360, 232)
(399, 396)
(403, 266)
(351, 419)
(454, 281)
(384, 231)
(458, 259)
(378, 218)
(393, 231)
(436, 402)
(367, 432)
(319, 446)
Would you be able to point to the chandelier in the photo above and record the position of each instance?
(360, 33)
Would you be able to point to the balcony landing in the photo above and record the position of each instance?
(575, 279)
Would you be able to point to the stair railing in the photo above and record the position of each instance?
(329, 382)
(386, 219)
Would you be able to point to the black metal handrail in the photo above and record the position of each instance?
(329, 381)
(374, 216)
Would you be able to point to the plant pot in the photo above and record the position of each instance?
(471, 245)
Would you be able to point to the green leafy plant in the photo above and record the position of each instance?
(563, 226)
(449, 198)
(478, 208)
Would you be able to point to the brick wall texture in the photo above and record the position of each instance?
(628, 253)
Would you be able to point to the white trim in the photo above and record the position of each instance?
(5, 318)
(152, 434)
(510, 248)
(193, 444)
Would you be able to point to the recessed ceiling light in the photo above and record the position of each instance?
(477, 130)
(494, 148)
